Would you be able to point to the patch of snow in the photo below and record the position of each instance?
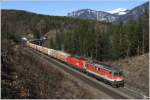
(24, 38)
(91, 11)
(80, 12)
(119, 11)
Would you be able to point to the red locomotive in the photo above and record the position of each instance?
(111, 75)
(77, 62)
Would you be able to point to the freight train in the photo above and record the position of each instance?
(108, 74)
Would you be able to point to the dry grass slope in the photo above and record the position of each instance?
(25, 75)
(138, 72)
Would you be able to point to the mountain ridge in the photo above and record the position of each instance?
(93, 14)
(132, 14)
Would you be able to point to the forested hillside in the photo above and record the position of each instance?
(25, 75)
(105, 41)
(97, 40)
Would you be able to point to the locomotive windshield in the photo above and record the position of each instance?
(118, 74)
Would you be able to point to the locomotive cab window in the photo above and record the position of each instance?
(118, 73)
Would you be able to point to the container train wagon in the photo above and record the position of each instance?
(111, 75)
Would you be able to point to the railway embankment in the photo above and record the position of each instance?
(25, 75)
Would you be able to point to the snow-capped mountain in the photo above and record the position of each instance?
(115, 15)
(119, 11)
(93, 14)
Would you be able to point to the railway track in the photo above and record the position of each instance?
(115, 93)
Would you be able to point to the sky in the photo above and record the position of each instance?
(62, 7)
